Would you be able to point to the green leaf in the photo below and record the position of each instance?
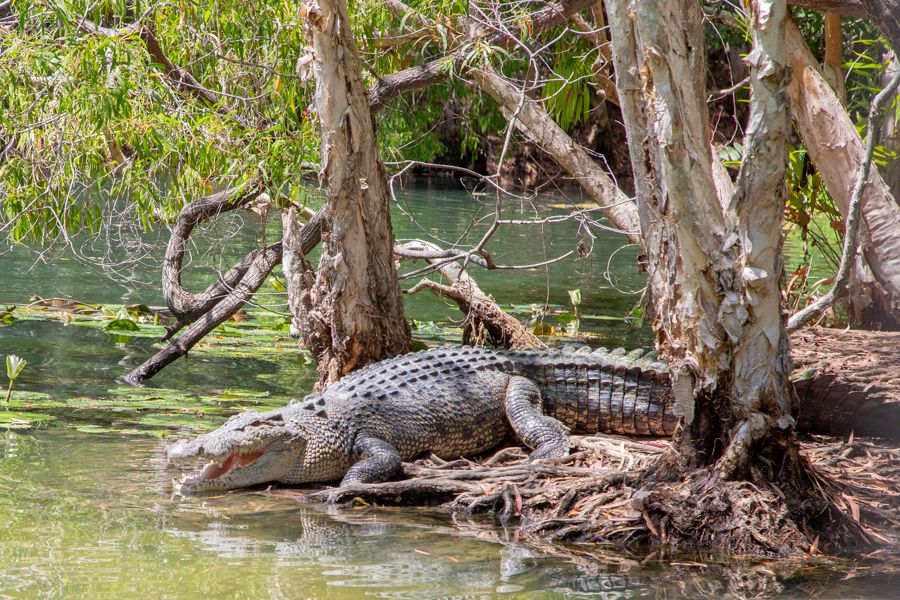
(22, 420)
(122, 325)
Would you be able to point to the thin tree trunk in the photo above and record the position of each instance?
(760, 389)
(890, 132)
(836, 149)
(868, 305)
(352, 312)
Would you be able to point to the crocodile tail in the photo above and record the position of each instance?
(630, 393)
(603, 391)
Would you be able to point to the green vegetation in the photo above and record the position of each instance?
(14, 366)
(100, 130)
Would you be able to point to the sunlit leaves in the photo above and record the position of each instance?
(568, 94)
(93, 118)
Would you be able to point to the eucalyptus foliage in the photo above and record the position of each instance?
(89, 117)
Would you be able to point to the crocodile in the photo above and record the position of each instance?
(451, 402)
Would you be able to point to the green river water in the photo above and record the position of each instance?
(86, 504)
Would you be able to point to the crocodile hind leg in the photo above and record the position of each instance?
(379, 461)
(547, 437)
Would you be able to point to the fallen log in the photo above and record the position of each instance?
(484, 319)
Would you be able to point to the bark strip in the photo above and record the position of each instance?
(837, 151)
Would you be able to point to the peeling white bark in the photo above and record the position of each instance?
(837, 151)
(658, 55)
(353, 312)
(761, 351)
(715, 246)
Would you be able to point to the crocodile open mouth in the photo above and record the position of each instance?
(217, 469)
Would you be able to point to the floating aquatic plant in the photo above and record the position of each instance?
(14, 366)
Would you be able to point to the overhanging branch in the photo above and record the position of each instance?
(187, 306)
(262, 261)
(390, 86)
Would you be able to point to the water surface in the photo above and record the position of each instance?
(89, 513)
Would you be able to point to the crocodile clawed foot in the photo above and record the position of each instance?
(550, 451)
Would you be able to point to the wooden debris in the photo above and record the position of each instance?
(595, 493)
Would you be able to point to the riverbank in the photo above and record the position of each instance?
(596, 494)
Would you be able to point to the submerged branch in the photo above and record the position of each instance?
(187, 306)
(262, 261)
(262, 264)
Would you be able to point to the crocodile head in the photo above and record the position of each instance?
(249, 449)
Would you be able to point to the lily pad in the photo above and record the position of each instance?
(122, 325)
(22, 420)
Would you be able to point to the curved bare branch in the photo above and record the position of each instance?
(187, 306)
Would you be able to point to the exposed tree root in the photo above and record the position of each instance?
(605, 492)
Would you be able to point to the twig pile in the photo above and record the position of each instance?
(867, 475)
(595, 493)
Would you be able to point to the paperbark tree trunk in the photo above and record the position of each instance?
(531, 118)
(836, 149)
(868, 304)
(351, 312)
(717, 257)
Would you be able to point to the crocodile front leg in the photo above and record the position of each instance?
(379, 461)
(547, 437)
